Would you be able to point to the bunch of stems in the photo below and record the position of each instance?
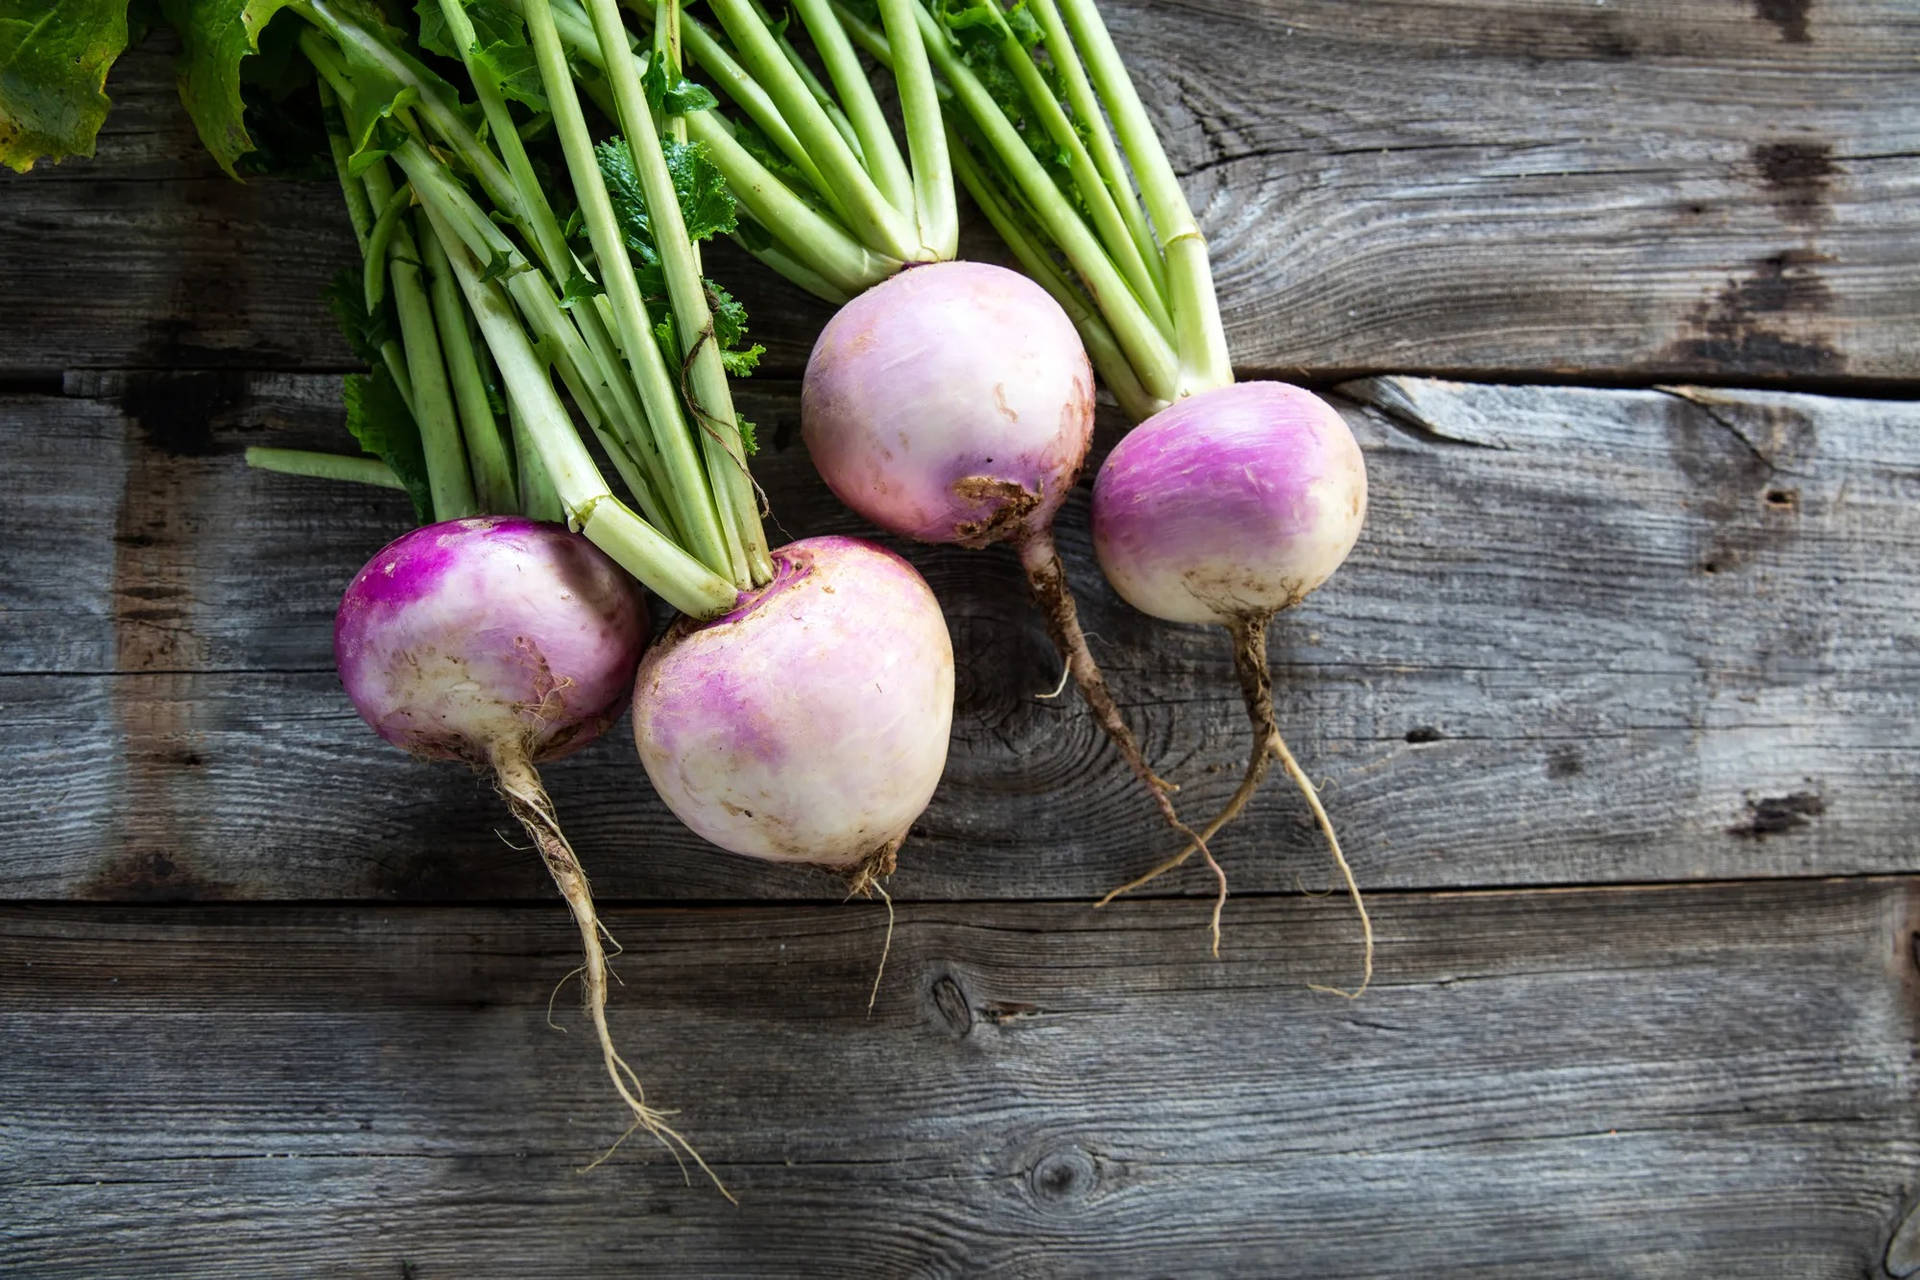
(456, 228)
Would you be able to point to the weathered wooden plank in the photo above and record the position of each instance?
(1635, 189)
(1691, 1081)
(1588, 636)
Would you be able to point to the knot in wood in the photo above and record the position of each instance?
(1065, 1176)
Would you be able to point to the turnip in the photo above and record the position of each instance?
(810, 724)
(503, 643)
(1228, 507)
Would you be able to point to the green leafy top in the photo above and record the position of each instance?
(500, 46)
(216, 36)
(54, 59)
(708, 208)
(978, 30)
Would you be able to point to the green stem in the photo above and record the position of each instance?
(666, 47)
(538, 500)
(731, 79)
(802, 274)
(487, 455)
(1201, 339)
(325, 466)
(1115, 238)
(433, 411)
(530, 291)
(877, 147)
(373, 270)
(1086, 108)
(1148, 351)
(811, 81)
(819, 249)
(870, 217)
(441, 110)
(360, 214)
(935, 209)
(670, 572)
(710, 399)
(698, 506)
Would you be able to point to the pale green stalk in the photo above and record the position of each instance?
(705, 531)
(538, 501)
(1201, 338)
(324, 466)
(487, 455)
(1080, 96)
(1099, 202)
(830, 262)
(360, 214)
(433, 410)
(936, 211)
(621, 408)
(530, 290)
(882, 156)
(710, 399)
(670, 572)
(875, 222)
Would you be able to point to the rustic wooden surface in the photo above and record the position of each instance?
(1719, 189)
(1614, 704)
(1681, 1081)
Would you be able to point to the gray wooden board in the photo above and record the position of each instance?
(1643, 1082)
(1709, 189)
(1589, 636)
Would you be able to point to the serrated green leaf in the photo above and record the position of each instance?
(502, 263)
(500, 48)
(54, 59)
(749, 435)
(673, 93)
(706, 205)
(216, 36)
(365, 332)
(579, 288)
(379, 420)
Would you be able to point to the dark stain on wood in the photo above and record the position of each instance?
(151, 875)
(177, 411)
(1739, 327)
(1777, 815)
(1565, 762)
(1732, 457)
(1797, 175)
(1788, 15)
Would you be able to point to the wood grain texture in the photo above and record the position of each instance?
(1637, 189)
(1690, 1081)
(1588, 636)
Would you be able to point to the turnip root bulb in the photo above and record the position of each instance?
(1229, 504)
(490, 637)
(505, 643)
(810, 724)
(1228, 507)
(954, 404)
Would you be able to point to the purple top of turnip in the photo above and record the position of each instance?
(461, 638)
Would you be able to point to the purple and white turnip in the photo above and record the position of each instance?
(1226, 508)
(810, 724)
(502, 643)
